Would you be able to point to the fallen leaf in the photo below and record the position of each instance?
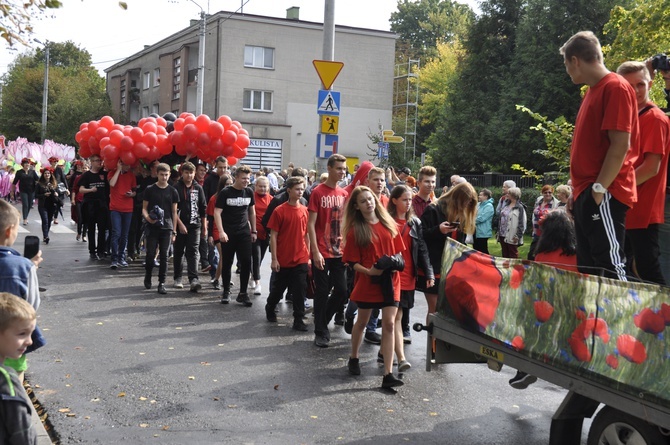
(232, 406)
(220, 344)
(276, 387)
(191, 377)
(144, 425)
(166, 427)
(71, 415)
(205, 363)
(152, 401)
(67, 376)
(143, 353)
(171, 347)
(64, 410)
(87, 417)
(156, 435)
(179, 329)
(143, 398)
(77, 347)
(426, 400)
(95, 400)
(37, 386)
(121, 394)
(99, 323)
(58, 360)
(433, 414)
(314, 417)
(68, 385)
(389, 410)
(215, 380)
(216, 399)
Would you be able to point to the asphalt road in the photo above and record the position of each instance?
(127, 365)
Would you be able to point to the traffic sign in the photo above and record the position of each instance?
(330, 124)
(382, 150)
(327, 71)
(388, 136)
(329, 102)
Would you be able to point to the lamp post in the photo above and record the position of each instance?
(45, 93)
(200, 91)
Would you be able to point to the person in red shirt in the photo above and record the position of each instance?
(258, 249)
(426, 193)
(371, 234)
(122, 185)
(604, 149)
(644, 219)
(289, 246)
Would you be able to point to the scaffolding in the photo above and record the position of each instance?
(405, 103)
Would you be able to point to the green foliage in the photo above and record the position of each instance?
(76, 94)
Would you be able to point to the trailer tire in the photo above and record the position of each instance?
(613, 427)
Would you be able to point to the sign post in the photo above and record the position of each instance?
(328, 107)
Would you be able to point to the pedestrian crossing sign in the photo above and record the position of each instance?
(329, 124)
(329, 102)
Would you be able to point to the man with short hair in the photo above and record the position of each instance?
(94, 185)
(377, 183)
(604, 148)
(326, 209)
(191, 221)
(645, 217)
(427, 181)
(235, 219)
(211, 182)
(122, 185)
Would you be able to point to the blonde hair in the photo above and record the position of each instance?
(9, 216)
(354, 220)
(263, 179)
(12, 309)
(460, 204)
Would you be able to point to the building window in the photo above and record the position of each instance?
(123, 93)
(154, 109)
(145, 111)
(157, 77)
(176, 83)
(259, 57)
(146, 80)
(255, 100)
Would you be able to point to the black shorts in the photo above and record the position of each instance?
(421, 285)
(407, 299)
(379, 305)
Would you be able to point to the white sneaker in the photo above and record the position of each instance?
(178, 284)
(257, 289)
(252, 284)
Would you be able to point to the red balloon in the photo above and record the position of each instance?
(85, 152)
(161, 130)
(115, 137)
(234, 127)
(84, 143)
(126, 143)
(243, 140)
(179, 124)
(190, 147)
(118, 127)
(225, 121)
(238, 152)
(150, 139)
(92, 126)
(153, 154)
(128, 158)
(243, 131)
(104, 142)
(237, 123)
(227, 150)
(137, 134)
(161, 122)
(190, 131)
(83, 125)
(215, 130)
(180, 149)
(142, 122)
(185, 114)
(216, 147)
(84, 134)
(93, 142)
(229, 137)
(149, 127)
(190, 119)
(107, 122)
(140, 150)
(202, 123)
(163, 145)
(203, 140)
(101, 133)
(177, 138)
(77, 137)
(110, 151)
(126, 130)
(231, 160)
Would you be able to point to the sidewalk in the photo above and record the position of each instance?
(42, 435)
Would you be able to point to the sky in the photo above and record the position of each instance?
(111, 34)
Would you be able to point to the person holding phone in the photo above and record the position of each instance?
(48, 200)
(122, 184)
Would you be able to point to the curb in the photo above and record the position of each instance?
(43, 437)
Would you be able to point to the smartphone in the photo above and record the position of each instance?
(454, 224)
(31, 247)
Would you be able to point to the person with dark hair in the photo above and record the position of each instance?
(47, 200)
(122, 184)
(543, 205)
(483, 223)
(63, 189)
(27, 179)
(213, 238)
(95, 188)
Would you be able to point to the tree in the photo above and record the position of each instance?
(76, 94)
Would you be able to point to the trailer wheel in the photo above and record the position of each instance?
(613, 427)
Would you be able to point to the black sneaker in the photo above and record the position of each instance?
(373, 338)
(195, 285)
(522, 380)
(391, 381)
(243, 298)
(321, 341)
(380, 359)
(339, 319)
(95, 257)
(225, 298)
(299, 325)
(216, 285)
(354, 366)
(270, 314)
(147, 281)
(349, 325)
(161, 289)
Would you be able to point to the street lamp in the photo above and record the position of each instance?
(45, 93)
(200, 91)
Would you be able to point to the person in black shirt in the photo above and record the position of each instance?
(191, 221)
(48, 200)
(235, 219)
(27, 179)
(159, 209)
(63, 190)
(95, 188)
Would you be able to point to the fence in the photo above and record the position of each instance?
(494, 180)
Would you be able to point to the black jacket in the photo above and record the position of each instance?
(420, 256)
(431, 219)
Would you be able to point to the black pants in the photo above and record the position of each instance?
(600, 233)
(643, 252)
(258, 250)
(47, 215)
(238, 244)
(135, 232)
(97, 215)
(295, 280)
(333, 276)
(82, 227)
(203, 249)
(189, 244)
(481, 245)
(158, 238)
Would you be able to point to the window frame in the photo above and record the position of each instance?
(253, 53)
(252, 94)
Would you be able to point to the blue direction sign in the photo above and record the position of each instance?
(383, 150)
(329, 103)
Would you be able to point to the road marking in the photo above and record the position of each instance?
(37, 225)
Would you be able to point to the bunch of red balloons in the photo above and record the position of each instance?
(192, 136)
(206, 139)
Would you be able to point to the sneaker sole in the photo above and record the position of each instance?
(524, 382)
(393, 384)
(404, 367)
(372, 342)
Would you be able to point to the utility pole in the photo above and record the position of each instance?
(200, 90)
(329, 30)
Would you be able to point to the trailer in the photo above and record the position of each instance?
(601, 339)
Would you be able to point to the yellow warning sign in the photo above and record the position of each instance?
(327, 71)
(329, 124)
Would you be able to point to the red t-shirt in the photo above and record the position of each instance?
(118, 200)
(382, 244)
(262, 202)
(407, 279)
(328, 204)
(384, 200)
(211, 205)
(290, 226)
(654, 138)
(609, 105)
(557, 259)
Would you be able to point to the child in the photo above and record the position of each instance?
(416, 257)
(17, 322)
(18, 275)
(371, 234)
(289, 245)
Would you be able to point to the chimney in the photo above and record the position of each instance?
(293, 13)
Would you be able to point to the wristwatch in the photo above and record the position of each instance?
(598, 188)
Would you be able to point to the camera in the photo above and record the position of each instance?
(660, 62)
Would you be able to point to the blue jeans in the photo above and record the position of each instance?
(26, 202)
(47, 216)
(212, 258)
(120, 228)
(664, 241)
